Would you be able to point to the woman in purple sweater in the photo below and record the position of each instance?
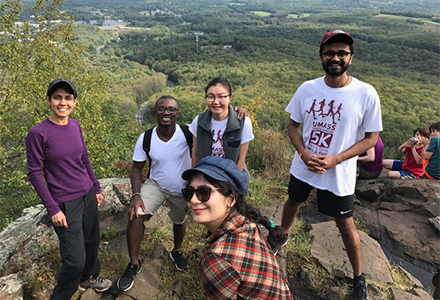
(56, 148)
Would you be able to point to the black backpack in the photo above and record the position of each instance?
(147, 142)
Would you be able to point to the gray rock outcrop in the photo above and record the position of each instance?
(328, 249)
(397, 213)
(392, 218)
(11, 287)
(416, 294)
(31, 239)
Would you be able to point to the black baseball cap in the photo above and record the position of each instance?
(65, 83)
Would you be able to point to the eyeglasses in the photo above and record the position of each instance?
(339, 54)
(221, 98)
(170, 109)
(203, 193)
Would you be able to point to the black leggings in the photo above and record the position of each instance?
(79, 244)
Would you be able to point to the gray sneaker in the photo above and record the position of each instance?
(360, 290)
(97, 283)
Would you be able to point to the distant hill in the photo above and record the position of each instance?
(408, 5)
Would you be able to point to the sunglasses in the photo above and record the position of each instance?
(203, 193)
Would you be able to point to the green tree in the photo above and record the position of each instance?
(31, 55)
(29, 58)
(146, 86)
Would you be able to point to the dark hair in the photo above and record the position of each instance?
(164, 98)
(434, 126)
(242, 207)
(219, 80)
(62, 85)
(423, 131)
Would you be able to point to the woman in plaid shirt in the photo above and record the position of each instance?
(239, 263)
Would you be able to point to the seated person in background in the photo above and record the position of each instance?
(370, 162)
(412, 166)
(431, 152)
(239, 263)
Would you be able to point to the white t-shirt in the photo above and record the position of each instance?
(168, 159)
(218, 129)
(334, 120)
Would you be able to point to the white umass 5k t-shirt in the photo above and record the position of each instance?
(334, 119)
(218, 130)
(168, 159)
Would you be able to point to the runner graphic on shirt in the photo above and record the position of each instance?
(322, 132)
(338, 112)
(321, 107)
(217, 144)
(312, 109)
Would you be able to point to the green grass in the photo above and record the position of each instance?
(112, 264)
(261, 13)
(193, 247)
(263, 192)
(421, 20)
(109, 234)
(361, 226)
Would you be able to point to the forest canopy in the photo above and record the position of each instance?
(266, 49)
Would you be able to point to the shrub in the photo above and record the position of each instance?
(270, 153)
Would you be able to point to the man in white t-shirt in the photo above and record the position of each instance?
(348, 124)
(169, 156)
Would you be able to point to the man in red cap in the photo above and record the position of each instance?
(328, 146)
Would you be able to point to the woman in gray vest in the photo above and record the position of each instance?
(218, 131)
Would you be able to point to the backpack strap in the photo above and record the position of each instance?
(146, 146)
(188, 137)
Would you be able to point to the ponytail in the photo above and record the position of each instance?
(254, 215)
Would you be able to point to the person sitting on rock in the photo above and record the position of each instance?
(411, 166)
(431, 152)
(370, 162)
(239, 263)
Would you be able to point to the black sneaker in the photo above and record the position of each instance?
(97, 283)
(360, 290)
(279, 244)
(125, 282)
(179, 261)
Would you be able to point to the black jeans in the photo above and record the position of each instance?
(79, 244)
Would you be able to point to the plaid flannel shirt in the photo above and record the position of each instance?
(240, 265)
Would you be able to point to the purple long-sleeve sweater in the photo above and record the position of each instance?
(60, 153)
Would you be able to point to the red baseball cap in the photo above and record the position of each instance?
(340, 33)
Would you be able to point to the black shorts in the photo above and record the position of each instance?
(328, 203)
